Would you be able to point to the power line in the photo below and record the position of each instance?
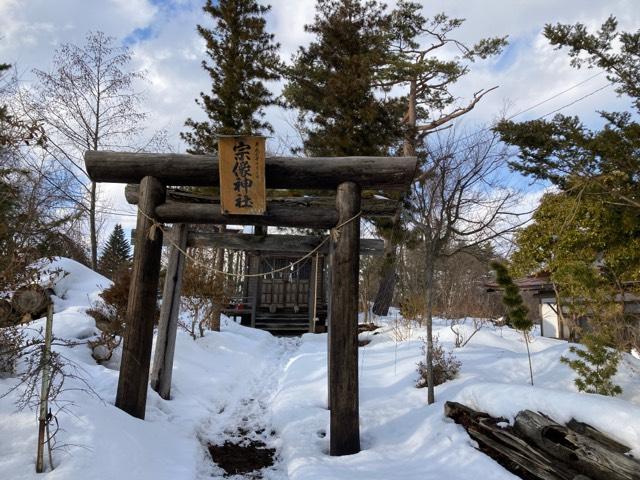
(576, 101)
(593, 92)
(555, 96)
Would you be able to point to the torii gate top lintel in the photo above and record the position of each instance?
(383, 173)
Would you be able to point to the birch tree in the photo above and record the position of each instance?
(87, 101)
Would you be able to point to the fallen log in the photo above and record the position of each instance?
(537, 448)
(587, 454)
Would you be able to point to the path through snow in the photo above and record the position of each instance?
(246, 417)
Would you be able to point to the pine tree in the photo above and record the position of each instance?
(333, 81)
(241, 56)
(595, 366)
(516, 309)
(116, 253)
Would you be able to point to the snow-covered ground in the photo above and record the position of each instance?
(245, 380)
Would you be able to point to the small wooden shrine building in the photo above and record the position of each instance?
(289, 301)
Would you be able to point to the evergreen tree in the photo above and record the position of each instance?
(568, 154)
(116, 253)
(595, 366)
(333, 81)
(241, 56)
(517, 312)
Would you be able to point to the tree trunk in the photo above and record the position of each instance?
(384, 297)
(429, 272)
(92, 227)
(409, 147)
(219, 294)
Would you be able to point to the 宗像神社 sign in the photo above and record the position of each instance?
(242, 182)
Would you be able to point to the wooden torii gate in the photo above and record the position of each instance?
(348, 176)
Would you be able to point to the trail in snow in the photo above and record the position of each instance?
(247, 415)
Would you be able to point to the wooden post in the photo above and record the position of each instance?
(343, 334)
(328, 322)
(44, 391)
(255, 283)
(312, 303)
(138, 337)
(168, 324)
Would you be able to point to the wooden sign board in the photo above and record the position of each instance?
(242, 181)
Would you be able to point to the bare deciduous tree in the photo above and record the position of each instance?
(87, 101)
(462, 203)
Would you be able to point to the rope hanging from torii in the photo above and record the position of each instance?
(333, 234)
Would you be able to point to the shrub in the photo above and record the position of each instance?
(12, 342)
(445, 365)
(517, 311)
(595, 366)
(110, 314)
(413, 306)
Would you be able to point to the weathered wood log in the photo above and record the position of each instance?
(285, 213)
(589, 431)
(371, 207)
(386, 173)
(30, 299)
(168, 323)
(507, 449)
(587, 455)
(343, 333)
(538, 448)
(136, 351)
(274, 243)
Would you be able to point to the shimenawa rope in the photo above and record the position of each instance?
(334, 233)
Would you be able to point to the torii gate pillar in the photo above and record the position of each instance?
(143, 292)
(344, 438)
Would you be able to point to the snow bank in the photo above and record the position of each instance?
(74, 284)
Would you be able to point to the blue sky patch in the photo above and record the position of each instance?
(167, 10)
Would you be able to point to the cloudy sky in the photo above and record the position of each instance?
(164, 42)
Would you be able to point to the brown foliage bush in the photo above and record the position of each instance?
(445, 365)
(413, 306)
(110, 314)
